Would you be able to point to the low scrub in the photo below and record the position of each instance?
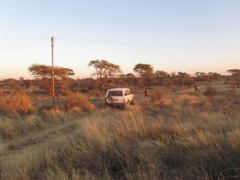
(130, 145)
(78, 100)
(166, 102)
(189, 99)
(16, 102)
(210, 92)
(157, 96)
(179, 136)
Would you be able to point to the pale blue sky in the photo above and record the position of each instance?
(171, 35)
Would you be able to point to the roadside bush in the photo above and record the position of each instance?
(16, 102)
(78, 100)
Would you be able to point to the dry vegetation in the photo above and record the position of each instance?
(170, 135)
(16, 101)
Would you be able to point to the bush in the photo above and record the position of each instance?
(166, 102)
(210, 92)
(78, 100)
(157, 96)
(85, 90)
(16, 102)
(190, 99)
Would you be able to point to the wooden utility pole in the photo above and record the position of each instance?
(53, 90)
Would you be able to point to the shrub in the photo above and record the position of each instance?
(190, 99)
(16, 102)
(210, 92)
(167, 102)
(78, 100)
(84, 90)
(1, 92)
(156, 96)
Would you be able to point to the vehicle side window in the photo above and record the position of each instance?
(119, 93)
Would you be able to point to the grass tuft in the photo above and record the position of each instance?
(188, 99)
(78, 100)
(16, 101)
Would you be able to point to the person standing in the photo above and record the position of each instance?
(196, 89)
(145, 92)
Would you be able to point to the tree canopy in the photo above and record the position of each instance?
(234, 72)
(235, 78)
(45, 72)
(105, 70)
(143, 70)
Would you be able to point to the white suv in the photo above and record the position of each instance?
(119, 97)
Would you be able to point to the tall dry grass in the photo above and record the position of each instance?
(80, 101)
(192, 138)
(16, 119)
(15, 126)
(190, 99)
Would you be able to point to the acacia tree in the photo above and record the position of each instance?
(104, 70)
(184, 79)
(145, 72)
(130, 78)
(11, 83)
(213, 76)
(43, 74)
(235, 80)
(162, 77)
(200, 76)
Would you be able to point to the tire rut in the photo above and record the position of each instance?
(36, 138)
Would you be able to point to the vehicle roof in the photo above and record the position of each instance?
(118, 89)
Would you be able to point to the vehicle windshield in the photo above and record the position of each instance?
(115, 93)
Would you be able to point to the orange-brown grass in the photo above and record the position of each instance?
(190, 99)
(131, 127)
(15, 102)
(189, 140)
(166, 102)
(158, 98)
(156, 95)
(80, 101)
(16, 123)
(210, 92)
